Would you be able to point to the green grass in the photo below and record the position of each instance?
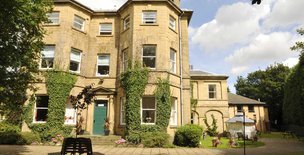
(272, 135)
(276, 135)
(207, 143)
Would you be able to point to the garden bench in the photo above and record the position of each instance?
(77, 145)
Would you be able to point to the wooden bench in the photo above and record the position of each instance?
(77, 145)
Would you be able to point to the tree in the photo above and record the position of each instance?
(268, 86)
(20, 45)
(293, 107)
(81, 102)
(256, 2)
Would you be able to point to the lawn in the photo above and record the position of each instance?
(272, 135)
(207, 143)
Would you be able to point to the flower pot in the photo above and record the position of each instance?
(106, 132)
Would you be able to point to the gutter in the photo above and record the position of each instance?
(181, 68)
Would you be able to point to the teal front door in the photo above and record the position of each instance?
(100, 115)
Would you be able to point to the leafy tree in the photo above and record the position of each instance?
(256, 2)
(20, 45)
(268, 86)
(294, 90)
(81, 102)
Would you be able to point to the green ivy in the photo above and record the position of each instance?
(59, 85)
(163, 99)
(28, 111)
(134, 81)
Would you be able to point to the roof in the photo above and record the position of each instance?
(238, 99)
(198, 74)
(239, 118)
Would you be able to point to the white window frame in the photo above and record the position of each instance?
(53, 17)
(124, 59)
(73, 50)
(173, 115)
(68, 119)
(105, 56)
(172, 23)
(149, 17)
(149, 56)
(122, 111)
(81, 24)
(214, 91)
(40, 108)
(141, 110)
(50, 55)
(126, 23)
(104, 28)
(172, 61)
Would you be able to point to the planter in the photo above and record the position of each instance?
(106, 132)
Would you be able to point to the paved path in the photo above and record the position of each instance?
(105, 150)
(272, 147)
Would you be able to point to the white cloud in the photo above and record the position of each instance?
(274, 47)
(239, 69)
(103, 5)
(290, 62)
(285, 13)
(233, 24)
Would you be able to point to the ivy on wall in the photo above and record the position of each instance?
(134, 81)
(163, 99)
(59, 85)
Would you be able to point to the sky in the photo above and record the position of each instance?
(233, 37)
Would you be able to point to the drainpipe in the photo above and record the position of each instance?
(181, 68)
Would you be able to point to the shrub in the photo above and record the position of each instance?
(188, 135)
(28, 138)
(134, 137)
(6, 127)
(155, 139)
(149, 128)
(9, 137)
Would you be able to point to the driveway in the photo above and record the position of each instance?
(272, 147)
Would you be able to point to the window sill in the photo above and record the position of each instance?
(39, 122)
(51, 24)
(78, 30)
(69, 124)
(74, 72)
(105, 35)
(123, 31)
(173, 30)
(173, 126)
(45, 69)
(147, 123)
(103, 75)
(152, 24)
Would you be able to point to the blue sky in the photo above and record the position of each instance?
(234, 38)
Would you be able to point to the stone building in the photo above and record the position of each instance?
(210, 92)
(96, 46)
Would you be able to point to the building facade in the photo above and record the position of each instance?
(97, 46)
(210, 92)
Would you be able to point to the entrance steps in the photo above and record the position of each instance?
(101, 139)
